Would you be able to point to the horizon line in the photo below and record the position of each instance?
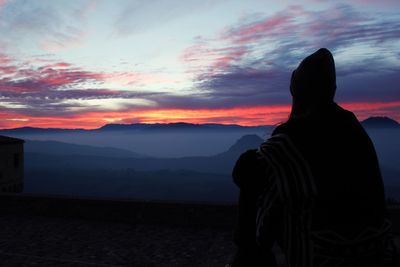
(168, 123)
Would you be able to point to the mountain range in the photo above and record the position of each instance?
(61, 168)
(376, 122)
(179, 126)
(109, 175)
(62, 148)
(128, 160)
(42, 155)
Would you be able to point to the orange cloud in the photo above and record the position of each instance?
(261, 115)
(364, 110)
(89, 120)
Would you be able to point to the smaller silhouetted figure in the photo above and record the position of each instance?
(314, 187)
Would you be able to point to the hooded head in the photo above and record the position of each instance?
(313, 83)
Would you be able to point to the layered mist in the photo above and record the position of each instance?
(180, 162)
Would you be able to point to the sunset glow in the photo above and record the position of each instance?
(246, 116)
(87, 63)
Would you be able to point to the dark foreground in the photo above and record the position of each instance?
(47, 231)
(42, 241)
(56, 231)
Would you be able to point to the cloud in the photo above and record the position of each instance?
(56, 88)
(246, 65)
(281, 23)
(59, 94)
(138, 16)
(375, 87)
(97, 118)
(49, 25)
(4, 59)
(2, 3)
(44, 79)
(295, 28)
(382, 3)
(216, 59)
(270, 47)
(256, 115)
(247, 87)
(334, 27)
(364, 110)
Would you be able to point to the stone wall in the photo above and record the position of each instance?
(133, 211)
(11, 167)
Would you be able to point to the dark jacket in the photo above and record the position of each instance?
(320, 191)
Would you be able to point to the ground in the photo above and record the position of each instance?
(27, 240)
(49, 231)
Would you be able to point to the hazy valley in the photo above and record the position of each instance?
(163, 161)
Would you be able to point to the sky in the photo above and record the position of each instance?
(86, 63)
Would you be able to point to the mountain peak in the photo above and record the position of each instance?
(380, 122)
(152, 126)
(245, 143)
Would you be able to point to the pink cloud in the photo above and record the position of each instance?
(8, 69)
(3, 3)
(44, 89)
(51, 76)
(138, 78)
(228, 57)
(364, 110)
(63, 77)
(4, 59)
(251, 116)
(257, 30)
(197, 53)
(14, 88)
(373, 2)
(287, 33)
(64, 43)
(59, 65)
(88, 8)
(335, 26)
(208, 60)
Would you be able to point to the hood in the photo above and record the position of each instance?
(314, 80)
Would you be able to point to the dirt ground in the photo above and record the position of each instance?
(45, 241)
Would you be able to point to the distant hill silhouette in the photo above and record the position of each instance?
(154, 126)
(34, 130)
(380, 122)
(179, 126)
(244, 143)
(222, 163)
(61, 148)
(186, 178)
(107, 172)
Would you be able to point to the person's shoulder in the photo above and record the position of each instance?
(282, 128)
(248, 165)
(290, 129)
(247, 157)
(346, 114)
(348, 118)
(353, 128)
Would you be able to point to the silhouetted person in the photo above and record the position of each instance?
(314, 187)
